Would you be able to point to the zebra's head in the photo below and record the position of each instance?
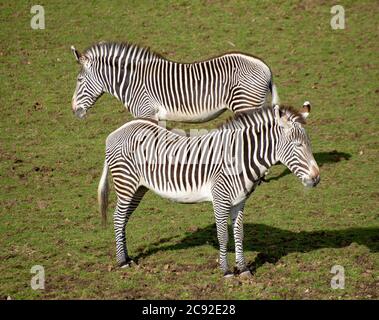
(294, 148)
(88, 87)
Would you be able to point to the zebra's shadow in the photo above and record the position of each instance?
(272, 243)
(321, 159)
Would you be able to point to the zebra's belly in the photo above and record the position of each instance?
(164, 114)
(202, 194)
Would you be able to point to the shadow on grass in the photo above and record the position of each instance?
(321, 158)
(273, 243)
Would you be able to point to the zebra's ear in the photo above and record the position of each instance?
(306, 109)
(281, 117)
(84, 61)
(76, 54)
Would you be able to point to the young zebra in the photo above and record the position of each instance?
(151, 86)
(223, 166)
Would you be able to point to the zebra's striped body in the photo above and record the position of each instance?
(223, 166)
(151, 86)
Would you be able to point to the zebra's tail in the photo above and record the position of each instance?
(103, 193)
(274, 94)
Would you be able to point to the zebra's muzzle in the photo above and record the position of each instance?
(311, 182)
(80, 112)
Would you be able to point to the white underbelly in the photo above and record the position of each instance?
(202, 194)
(163, 114)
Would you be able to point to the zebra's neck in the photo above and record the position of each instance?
(116, 65)
(260, 149)
(260, 133)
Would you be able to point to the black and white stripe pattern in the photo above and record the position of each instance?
(151, 86)
(223, 166)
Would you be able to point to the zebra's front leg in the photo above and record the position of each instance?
(237, 221)
(221, 211)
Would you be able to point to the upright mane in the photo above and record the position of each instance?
(117, 48)
(254, 117)
(292, 114)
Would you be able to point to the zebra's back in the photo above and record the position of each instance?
(200, 91)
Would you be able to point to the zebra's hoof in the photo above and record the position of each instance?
(228, 275)
(127, 264)
(246, 274)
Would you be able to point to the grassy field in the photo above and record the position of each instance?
(51, 162)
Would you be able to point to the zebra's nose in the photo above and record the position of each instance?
(73, 106)
(316, 180)
(80, 112)
(311, 181)
(314, 171)
(314, 174)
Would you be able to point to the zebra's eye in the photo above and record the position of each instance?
(298, 144)
(80, 79)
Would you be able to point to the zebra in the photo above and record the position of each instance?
(151, 86)
(223, 166)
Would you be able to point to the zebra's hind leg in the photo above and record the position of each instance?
(124, 209)
(237, 221)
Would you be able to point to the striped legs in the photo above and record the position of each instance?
(124, 209)
(237, 217)
(221, 213)
(221, 207)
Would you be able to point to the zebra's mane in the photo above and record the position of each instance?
(255, 117)
(117, 48)
(293, 114)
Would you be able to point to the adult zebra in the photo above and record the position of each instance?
(151, 86)
(223, 166)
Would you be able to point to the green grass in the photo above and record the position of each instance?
(51, 162)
